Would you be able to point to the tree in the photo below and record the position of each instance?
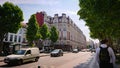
(44, 32)
(10, 17)
(102, 17)
(32, 30)
(53, 34)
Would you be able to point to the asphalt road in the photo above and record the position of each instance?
(68, 60)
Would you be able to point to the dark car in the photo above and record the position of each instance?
(42, 51)
(92, 50)
(56, 52)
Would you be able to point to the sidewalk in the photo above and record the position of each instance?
(117, 65)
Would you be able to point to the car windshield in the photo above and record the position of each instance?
(75, 49)
(20, 52)
(55, 50)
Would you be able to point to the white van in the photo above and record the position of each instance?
(23, 55)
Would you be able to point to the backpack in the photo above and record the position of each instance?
(104, 55)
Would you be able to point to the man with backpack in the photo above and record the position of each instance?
(105, 55)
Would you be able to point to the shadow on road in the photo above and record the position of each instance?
(14, 65)
(85, 64)
(82, 65)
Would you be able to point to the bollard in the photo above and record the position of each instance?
(38, 66)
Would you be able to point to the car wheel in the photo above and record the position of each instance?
(51, 55)
(9, 63)
(36, 59)
(20, 62)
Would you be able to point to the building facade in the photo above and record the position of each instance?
(13, 41)
(17, 38)
(70, 36)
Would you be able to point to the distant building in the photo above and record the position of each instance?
(91, 44)
(13, 41)
(17, 38)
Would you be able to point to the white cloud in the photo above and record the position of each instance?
(68, 12)
(43, 2)
(72, 12)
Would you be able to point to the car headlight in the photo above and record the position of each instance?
(6, 59)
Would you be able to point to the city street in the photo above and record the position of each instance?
(68, 60)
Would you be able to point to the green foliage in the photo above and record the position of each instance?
(10, 17)
(53, 34)
(44, 32)
(38, 36)
(32, 30)
(102, 17)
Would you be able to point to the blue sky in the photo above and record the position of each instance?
(51, 7)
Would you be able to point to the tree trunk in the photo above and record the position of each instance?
(1, 47)
(2, 35)
(31, 43)
(1, 44)
(110, 42)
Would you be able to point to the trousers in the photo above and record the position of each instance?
(106, 65)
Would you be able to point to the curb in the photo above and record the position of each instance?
(1, 60)
(43, 55)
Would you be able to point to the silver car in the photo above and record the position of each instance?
(56, 53)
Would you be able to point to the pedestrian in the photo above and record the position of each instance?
(105, 56)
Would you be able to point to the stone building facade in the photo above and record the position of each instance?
(70, 36)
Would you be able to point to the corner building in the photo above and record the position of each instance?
(70, 36)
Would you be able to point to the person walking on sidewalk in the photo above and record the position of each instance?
(105, 55)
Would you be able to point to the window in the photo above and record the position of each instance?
(59, 29)
(20, 32)
(64, 38)
(6, 38)
(15, 39)
(23, 40)
(19, 40)
(60, 20)
(64, 29)
(20, 52)
(11, 37)
(28, 52)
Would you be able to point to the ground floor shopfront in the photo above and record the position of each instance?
(63, 47)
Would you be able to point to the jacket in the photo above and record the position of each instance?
(111, 53)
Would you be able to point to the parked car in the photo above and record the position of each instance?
(75, 51)
(56, 52)
(92, 50)
(84, 50)
(42, 51)
(23, 55)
